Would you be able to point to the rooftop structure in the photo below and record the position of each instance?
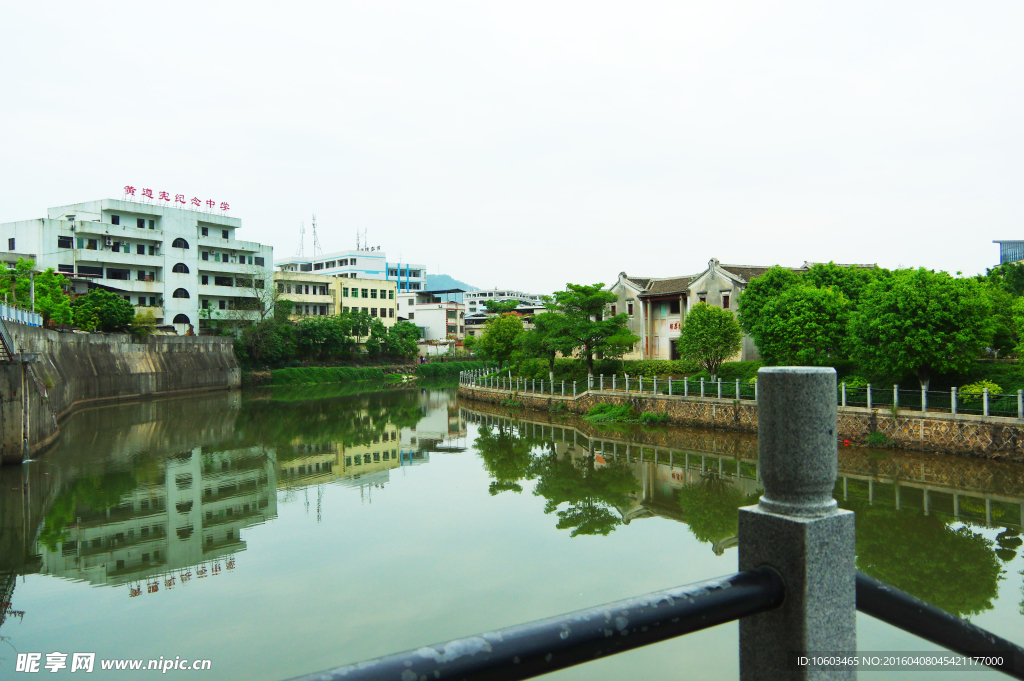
(475, 299)
(359, 263)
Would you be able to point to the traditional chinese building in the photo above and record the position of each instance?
(173, 258)
(657, 306)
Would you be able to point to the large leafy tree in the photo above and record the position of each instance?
(921, 322)
(586, 330)
(545, 340)
(402, 340)
(850, 281)
(1008, 276)
(760, 292)
(501, 337)
(805, 326)
(507, 457)
(102, 310)
(325, 336)
(709, 337)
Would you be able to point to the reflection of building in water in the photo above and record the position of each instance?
(442, 428)
(192, 512)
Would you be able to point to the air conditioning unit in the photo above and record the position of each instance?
(124, 244)
(107, 241)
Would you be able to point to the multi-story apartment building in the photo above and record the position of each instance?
(435, 312)
(359, 264)
(321, 294)
(172, 261)
(475, 299)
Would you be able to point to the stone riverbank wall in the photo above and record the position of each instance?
(990, 437)
(77, 369)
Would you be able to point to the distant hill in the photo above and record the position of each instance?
(437, 282)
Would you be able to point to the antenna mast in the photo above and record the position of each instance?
(302, 239)
(317, 250)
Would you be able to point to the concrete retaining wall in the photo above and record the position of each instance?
(76, 369)
(990, 437)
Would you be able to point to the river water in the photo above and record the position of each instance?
(286, 531)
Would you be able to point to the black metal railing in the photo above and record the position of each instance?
(898, 608)
(529, 650)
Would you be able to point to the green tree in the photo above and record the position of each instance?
(1008, 276)
(377, 341)
(849, 280)
(760, 292)
(402, 340)
(711, 507)
(51, 302)
(804, 326)
(501, 337)
(324, 336)
(709, 337)
(585, 329)
(144, 323)
(1004, 335)
(469, 343)
(501, 306)
(921, 322)
(102, 310)
(544, 340)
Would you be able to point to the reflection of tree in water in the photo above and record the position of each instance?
(711, 507)
(95, 493)
(955, 569)
(592, 493)
(507, 457)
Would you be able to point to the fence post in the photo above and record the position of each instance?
(896, 396)
(670, 386)
(702, 387)
(924, 400)
(563, 388)
(737, 388)
(627, 381)
(719, 388)
(952, 399)
(985, 398)
(655, 384)
(798, 530)
(1020, 404)
(602, 383)
(844, 393)
(869, 395)
(574, 394)
(686, 386)
(641, 385)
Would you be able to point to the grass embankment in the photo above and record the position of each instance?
(622, 413)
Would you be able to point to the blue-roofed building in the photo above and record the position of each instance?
(359, 264)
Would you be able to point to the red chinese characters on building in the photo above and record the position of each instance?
(673, 326)
(165, 196)
(224, 206)
(129, 190)
(196, 201)
(148, 193)
(179, 198)
(211, 204)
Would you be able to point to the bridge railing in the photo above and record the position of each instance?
(796, 594)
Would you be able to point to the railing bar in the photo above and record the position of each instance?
(529, 650)
(898, 608)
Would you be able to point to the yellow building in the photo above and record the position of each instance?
(321, 294)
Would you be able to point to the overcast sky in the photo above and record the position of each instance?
(530, 144)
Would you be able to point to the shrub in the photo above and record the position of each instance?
(650, 418)
(611, 413)
(730, 371)
(877, 439)
(557, 408)
(855, 382)
(973, 392)
(511, 404)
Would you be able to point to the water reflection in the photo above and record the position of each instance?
(156, 494)
(919, 516)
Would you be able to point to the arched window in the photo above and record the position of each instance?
(181, 318)
(181, 293)
(179, 243)
(180, 268)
